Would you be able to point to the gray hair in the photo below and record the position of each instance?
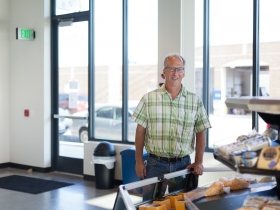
(165, 63)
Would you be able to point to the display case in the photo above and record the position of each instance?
(130, 196)
(268, 108)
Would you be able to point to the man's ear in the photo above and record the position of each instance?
(163, 72)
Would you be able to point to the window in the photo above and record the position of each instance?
(105, 113)
(199, 48)
(230, 66)
(108, 48)
(118, 114)
(269, 52)
(70, 6)
(142, 50)
(231, 71)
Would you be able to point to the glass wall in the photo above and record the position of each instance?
(64, 7)
(230, 60)
(199, 47)
(230, 72)
(269, 52)
(108, 48)
(72, 86)
(142, 53)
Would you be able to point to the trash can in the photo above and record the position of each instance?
(128, 165)
(104, 158)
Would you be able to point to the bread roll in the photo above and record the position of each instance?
(235, 184)
(215, 189)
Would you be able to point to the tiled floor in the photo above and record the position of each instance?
(81, 196)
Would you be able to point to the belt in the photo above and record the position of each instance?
(173, 159)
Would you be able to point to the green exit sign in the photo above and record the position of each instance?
(25, 34)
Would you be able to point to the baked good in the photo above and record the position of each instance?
(226, 150)
(195, 194)
(270, 207)
(215, 189)
(235, 183)
(271, 133)
(242, 138)
(267, 179)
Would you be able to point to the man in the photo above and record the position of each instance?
(169, 120)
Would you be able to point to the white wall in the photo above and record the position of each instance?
(176, 33)
(29, 84)
(169, 36)
(188, 42)
(4, 82)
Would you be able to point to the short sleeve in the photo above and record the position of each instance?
(140, 114)
(202, 121)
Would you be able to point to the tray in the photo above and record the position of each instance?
(245, 170)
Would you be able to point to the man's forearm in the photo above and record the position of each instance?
(200, 146)
(139, 142)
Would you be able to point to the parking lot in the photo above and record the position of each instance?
(223, 127)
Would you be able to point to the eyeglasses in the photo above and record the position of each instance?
(173, 69)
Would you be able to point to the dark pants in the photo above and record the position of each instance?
(156, 167)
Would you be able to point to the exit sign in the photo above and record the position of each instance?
(25, 34)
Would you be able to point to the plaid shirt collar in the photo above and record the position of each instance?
(183, 90)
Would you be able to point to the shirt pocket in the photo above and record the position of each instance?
(186, 123)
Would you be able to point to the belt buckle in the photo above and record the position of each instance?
(173, 159)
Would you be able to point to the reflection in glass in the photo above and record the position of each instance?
(230, 73)
(142, 51)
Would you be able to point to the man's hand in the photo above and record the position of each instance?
(197, 168)
(140, 169)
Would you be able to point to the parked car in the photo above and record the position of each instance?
(64, 123)
(108, 123)
(82, 103)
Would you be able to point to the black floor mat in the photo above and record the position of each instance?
(29, 184)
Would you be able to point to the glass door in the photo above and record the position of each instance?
(72, 113)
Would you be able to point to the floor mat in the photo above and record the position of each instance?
(29, 184)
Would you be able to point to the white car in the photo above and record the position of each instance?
(108, 123)
(64, 123)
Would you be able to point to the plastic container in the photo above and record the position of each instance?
(104, 158)
(256, 144)
(128, 165)
(249, 159)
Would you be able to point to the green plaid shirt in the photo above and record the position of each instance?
(171, 124)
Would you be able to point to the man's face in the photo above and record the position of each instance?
(174, 73)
